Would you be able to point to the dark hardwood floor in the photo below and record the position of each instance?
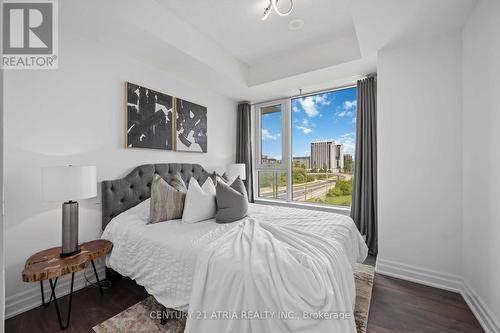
(404, 307)
(89, 309)
(397, 307)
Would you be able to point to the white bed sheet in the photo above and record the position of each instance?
(162, 256)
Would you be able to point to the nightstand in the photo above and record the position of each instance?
(49, 265)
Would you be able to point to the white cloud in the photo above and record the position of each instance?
(348, 105)
(321, 99)
(354, 120)
(268, 135)
(309, 106)
(344, 114)
(348, 141)
(348, 135)
(347, 109)
(304, 129)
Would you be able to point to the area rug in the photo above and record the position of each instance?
(137, 318)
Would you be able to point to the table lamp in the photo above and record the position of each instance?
(67, 183)
(237, 170)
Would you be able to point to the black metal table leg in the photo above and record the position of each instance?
(43, 296)
(53, 288)
(96, 276)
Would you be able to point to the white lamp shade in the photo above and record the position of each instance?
(237, 170)
(63, 183)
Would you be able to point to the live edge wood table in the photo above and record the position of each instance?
(49, 265)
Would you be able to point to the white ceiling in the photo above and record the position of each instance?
(382, 23)
(224, 46)
(236, 25)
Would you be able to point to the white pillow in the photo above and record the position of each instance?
(200, 202)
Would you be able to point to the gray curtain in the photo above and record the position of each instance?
(364, 195)
(244, 144)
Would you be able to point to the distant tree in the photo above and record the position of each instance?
(282, 179)
(298, 175)
(265, 179)
(342, 187)
(348, 166)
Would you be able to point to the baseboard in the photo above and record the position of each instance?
(419, 275)
(445, 281)
(486, 318)
(31, 298)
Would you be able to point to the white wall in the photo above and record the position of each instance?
(2, 272)
(2, 262)
(481, 158)
(76, 115)
(419, 160)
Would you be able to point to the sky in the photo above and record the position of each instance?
(323, 116)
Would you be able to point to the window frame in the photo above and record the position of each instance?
(285, 165)
(286, 155)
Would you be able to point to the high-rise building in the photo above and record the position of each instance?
(325, 154)
(269, 160)
(339, 157)
(302, 160)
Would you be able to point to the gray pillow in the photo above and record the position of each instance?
(232, 201)
(218, 178)
(167, 200)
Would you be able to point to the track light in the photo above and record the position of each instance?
(273, 4)
(267, 12)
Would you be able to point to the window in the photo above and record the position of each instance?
(271, 120)
(273, 150)
(272, 185)
(307, 148)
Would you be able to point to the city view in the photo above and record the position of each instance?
(323, 144)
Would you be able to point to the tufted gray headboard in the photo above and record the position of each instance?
(121, 194)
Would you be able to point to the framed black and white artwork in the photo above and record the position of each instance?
(191, 127)
(149, 118)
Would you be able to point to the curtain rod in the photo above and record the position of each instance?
(301, 93)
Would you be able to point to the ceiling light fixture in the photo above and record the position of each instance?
(273, 4)
(267, 12)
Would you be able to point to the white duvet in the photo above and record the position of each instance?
(279, 261)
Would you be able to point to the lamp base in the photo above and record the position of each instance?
(69, 254)
(70, 245)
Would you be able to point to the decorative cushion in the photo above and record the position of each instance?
(167, 200)
(218, 178)
(200, 202)
(232, 201)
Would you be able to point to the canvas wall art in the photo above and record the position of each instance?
(149, 118)
(191, 127)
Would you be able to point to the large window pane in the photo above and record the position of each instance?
(323, 142)
(271, 134)
(272, 184)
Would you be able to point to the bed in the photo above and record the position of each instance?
(163, 257)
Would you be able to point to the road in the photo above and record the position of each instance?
(302, 192)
